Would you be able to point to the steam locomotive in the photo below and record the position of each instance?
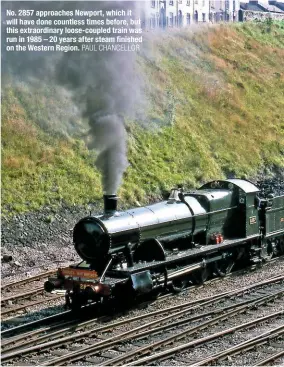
(168, 244)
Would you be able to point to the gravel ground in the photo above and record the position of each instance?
(39, 241)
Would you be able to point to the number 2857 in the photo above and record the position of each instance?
(25, 13)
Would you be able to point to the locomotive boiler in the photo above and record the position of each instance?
(167, 244)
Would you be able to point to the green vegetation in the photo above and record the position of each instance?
(216, 99)
(41, 168)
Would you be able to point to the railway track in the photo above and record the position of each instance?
(58, 317)
(273, 339)
(22, 333)
(15, 303)
(57, 320)
(31, 338)
(11, 285)
(278, 356)
(275, 332)
(18, 296)
(96, 340)
(16, 309)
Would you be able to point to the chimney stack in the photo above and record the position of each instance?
(110, 204)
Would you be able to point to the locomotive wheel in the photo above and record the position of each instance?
(75, 303)
(200, 276)
(124, 296)
(75, 299)
(280, 247)
(72, 302)
(179, 284)
(223, 267)
(268, 251)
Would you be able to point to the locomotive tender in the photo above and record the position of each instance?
(167, 244)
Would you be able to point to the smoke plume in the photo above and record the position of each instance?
(109, 139)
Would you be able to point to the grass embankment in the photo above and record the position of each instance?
(216, 109)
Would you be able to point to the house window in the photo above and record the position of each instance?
(203, 17)
(196, 15)
(153, 4)
(153, 21)
(171, 20)
(180, 1)
(187, 18)
(188, 3)
(171, 2)
(180, 18)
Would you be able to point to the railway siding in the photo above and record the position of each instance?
(191, 319)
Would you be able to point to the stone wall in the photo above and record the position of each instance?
(249, 15)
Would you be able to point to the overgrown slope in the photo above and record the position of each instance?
(216, 109)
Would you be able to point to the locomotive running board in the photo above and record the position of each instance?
(184, 256)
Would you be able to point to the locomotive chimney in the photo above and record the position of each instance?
(110, 204)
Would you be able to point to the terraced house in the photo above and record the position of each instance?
(180, 13)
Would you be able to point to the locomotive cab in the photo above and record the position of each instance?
(242, 215)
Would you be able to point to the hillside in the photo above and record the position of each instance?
(216, 110)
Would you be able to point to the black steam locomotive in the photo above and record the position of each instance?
(165, 245)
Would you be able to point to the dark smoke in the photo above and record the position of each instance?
(109, 139)
(105, 86)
